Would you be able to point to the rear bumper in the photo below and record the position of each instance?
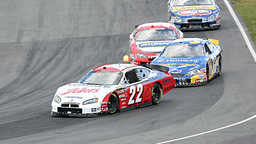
(197, 26)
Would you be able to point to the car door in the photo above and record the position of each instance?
(138, 87)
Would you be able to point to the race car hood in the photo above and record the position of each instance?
(152, 46)
(77, 92)
(195, 11)
(180, 65)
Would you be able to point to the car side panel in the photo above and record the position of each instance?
(141, 93)
(135, 94)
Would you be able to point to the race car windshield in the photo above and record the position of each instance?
(156, 35)
(101, 78)
(192, 2)
(183, 51)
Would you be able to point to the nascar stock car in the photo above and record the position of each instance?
(194, 14)
(148, 40)
(112, 87)
(192, 61)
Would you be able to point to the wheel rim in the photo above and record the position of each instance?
(112, 104)
(156, 94)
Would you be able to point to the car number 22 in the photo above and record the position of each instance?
(133, 92)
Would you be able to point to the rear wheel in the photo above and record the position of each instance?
(112, 103)
(157, 94)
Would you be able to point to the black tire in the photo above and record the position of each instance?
(207, 73)
(112, 103)
(220, 60)
(157, 93)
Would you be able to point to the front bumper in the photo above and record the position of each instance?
(187, 82)
(87, 110)
(73, 114)
(192, 81)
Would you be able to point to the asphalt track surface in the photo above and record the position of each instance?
(48, 43)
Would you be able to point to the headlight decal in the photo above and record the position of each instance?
(176, 19)
(194, 72)
(141, 55)
(90, 101)
(57, 99)
(211, 18)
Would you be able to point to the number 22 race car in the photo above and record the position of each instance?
(112, 87)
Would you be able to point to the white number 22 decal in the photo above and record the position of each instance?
(133, 92)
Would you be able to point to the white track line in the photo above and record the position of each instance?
(214, 130)
(247, 41)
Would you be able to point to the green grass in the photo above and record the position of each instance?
(247, 9)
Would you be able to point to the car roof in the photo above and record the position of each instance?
(156, 24)
(115, 67)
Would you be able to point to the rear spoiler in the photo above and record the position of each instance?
(156, 67)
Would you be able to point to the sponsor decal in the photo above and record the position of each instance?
(83, 90)
(93, 109)
(123, 107)
(172, 60)
(197, 81)
(153, 44)
(121, 96)
(104, 107)
(195, 12)
(179, 64)
(168, 80)
(211, 7)
(74, 97)
(121, 91)
(124, 99)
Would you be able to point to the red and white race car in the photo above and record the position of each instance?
(112, 87)
(148, 40)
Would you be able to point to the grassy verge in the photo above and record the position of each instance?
(247, 9)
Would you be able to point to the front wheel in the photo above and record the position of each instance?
(112, 103)
(219, 69)
(207, 73)
(157, 94)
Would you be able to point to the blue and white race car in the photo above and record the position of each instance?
(192, 61)
(194, 14)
